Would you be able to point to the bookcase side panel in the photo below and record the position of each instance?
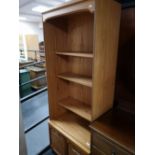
(53, 40)
(107, 22)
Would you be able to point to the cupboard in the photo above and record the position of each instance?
(81, 41)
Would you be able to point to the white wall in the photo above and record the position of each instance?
(31, 28)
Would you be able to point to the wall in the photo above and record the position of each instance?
(31, 28)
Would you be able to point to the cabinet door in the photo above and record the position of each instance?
(106, 146)
(59, 143)
(75, 151)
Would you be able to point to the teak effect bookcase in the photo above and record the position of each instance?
(81, 41)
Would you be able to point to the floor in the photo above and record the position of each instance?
(48, 152)
(37, 139)
(33, 111)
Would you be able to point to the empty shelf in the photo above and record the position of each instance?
(77, 107)
(73, 128)
(86, 81)
(75, 54)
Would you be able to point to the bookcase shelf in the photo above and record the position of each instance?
(77, 107)
(75, 54)
(86, 81)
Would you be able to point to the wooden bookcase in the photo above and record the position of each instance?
(81, 41)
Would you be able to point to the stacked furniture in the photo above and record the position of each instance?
(81, 41)
(113, 134)
(24, 76)
(37, 72)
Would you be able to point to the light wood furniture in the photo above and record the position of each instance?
(74, 129)
(81, 41)
(59, 144)
(37, 72)
(32, 45)
(113, 134)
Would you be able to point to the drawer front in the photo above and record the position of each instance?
(106, 146)
(95, 151)
(73, 150)
(59, 143)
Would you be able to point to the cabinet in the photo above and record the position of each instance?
(113, 134)
(81, 41)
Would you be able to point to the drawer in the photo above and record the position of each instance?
(73, 150)
(95, 151)
(59, 143)
(106, 146)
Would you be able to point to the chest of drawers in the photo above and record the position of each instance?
(113, 134)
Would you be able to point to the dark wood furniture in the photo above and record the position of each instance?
(113, 134)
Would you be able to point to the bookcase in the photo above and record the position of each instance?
(81, 41)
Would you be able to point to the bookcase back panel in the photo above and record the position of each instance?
(67, 89)
(80, 66)
(58, 34)
(80, 32)
(62, 89)
(77, 32)
(81, 93)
